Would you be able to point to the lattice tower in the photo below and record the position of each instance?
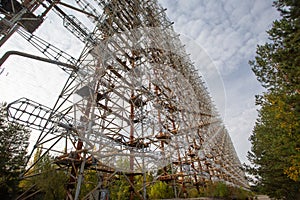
(133, 103)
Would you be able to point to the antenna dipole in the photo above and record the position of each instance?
(133, 102)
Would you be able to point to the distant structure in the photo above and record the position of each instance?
(133, 102)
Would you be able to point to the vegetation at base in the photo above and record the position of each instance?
(90, 181)
(51, 181)
(161, 190)
(119, 189)
(48, 181)
(221, 191)
(13, 148)
(275, 152)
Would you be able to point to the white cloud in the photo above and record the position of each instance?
(228, 30)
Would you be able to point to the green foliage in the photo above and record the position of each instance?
(13, 149)
(119, 189)
(240, 193)
(218, 189)
(223, 191)
(90, 181)
(49, 180)
(193, 193)
(275, 152)
(161, 190)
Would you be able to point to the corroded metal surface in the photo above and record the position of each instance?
(133, 97)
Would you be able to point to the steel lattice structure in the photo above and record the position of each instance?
(132, 95)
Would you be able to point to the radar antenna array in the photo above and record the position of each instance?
(133, 102)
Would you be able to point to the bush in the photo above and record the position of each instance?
(161, 190)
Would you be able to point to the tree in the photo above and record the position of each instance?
(161, 190)
(90, 181)
(48, 179)
(119, 189)
(275, 152)
(51, 181)
(13, 148)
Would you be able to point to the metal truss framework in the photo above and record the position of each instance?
(132, 96)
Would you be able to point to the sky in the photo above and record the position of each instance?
(228, 31)
(220, 35)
